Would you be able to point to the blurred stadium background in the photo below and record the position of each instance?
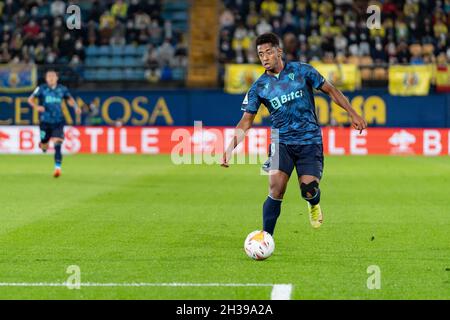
(138, 62)
(142, 68)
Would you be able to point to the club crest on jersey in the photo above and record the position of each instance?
(277, 102)
(291, 76)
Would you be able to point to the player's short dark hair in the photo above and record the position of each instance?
(269, 37)
(51, 70)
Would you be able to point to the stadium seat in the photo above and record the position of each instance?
(167, 15)
(140, 74)
(130, 50)
(102, 74)
(117, 61)
(90, 75)
(116, 74)
(366, 61)
(180, 16)
(366, 73)
(178, 74)
(175, 6)
(92, 51)
(132, 62)
(141, 50)
(104, 51)
(353, 60)
(129, 74)
(181, 26)
(117, 50)
(91, 61)
(104, 61)
(380, 74)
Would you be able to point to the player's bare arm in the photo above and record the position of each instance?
(242, 127)
(34, 105)
(71, 101)
(338, 97)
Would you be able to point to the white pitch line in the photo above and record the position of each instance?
(132, 284)
(281, 292)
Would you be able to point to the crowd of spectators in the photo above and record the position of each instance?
(411, 31)
(35, 31)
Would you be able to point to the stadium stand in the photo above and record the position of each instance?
(147, 40)
(119, 40)
(412, 32)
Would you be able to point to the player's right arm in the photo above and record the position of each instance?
(31, 100)
(250, 106)
(242, 127)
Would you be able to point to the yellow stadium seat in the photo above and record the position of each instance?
(353, 60)
(366, 74)
(366, 61)
(380, 74)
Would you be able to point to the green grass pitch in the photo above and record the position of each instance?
(129, 219)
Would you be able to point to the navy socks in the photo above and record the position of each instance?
(271, 212)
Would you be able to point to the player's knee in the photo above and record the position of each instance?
(58, 142)
(309, 190)
(276, 193)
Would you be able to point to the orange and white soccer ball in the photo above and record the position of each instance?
(259, 245)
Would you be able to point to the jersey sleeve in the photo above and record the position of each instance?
(37, 93)
(313, 77)
(251, 101)
(66, 93)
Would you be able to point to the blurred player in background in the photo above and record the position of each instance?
(50, 97)
(286, 89)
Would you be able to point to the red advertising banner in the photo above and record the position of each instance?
(188, 140)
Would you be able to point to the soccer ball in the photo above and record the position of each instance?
(259, 245)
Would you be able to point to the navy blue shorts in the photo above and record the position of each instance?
(51, 130)
(307, 159)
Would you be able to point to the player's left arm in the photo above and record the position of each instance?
(338, 97)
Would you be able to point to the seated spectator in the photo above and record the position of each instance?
(119, 10)
(330, 29)
(58, 8)
(263, 27)
(166, 52)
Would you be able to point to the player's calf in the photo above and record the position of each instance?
(272, 205)
(43, 146)
(271, 212)
(58, 158)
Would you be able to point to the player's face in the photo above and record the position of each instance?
(268, 55)
(51, 78)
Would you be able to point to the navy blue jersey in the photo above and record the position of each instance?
(51, 99)
(290, 100)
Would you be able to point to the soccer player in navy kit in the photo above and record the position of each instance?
(286, 90)
(51, 118)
